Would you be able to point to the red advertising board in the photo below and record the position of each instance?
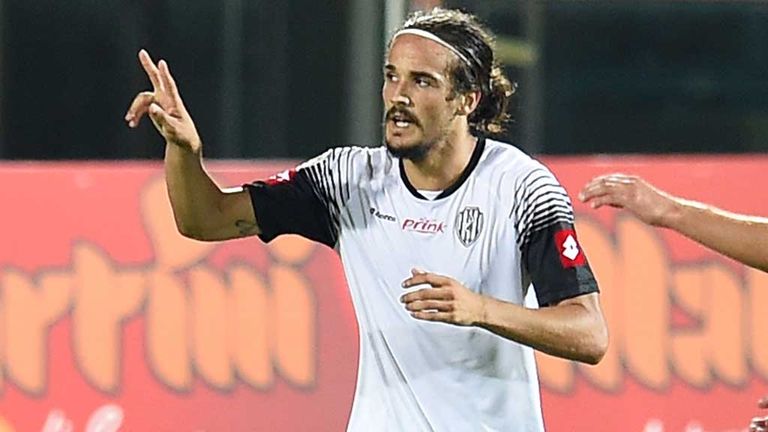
(110, 320)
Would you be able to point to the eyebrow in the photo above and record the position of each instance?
(420, 74)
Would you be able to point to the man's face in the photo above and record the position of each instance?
(418, 105)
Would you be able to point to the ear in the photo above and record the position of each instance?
(468, 102)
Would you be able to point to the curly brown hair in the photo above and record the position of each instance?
(481, 72)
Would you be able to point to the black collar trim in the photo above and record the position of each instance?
(473, 161)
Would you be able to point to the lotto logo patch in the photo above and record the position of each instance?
(569, 249)
(281, 177)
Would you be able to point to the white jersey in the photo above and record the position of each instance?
(506, 222)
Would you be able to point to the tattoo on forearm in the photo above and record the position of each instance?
(246, 228)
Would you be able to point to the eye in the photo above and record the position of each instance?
(422, 82)
(390, 76)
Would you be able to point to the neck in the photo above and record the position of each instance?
(444, 163)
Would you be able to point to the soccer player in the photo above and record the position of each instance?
(740, 237)
(441, 232)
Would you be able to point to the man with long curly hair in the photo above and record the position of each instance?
(459, 250)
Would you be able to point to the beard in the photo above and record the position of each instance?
(414, 152)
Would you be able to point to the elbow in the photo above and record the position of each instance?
(191, 231)
(596, 347)
(593, 332)
(594, 354)
(186, 226)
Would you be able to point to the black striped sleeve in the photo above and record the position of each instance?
(551, 254)
(304, 201)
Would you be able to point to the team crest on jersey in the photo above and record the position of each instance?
(469, 225)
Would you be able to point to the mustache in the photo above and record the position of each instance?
(402, 112)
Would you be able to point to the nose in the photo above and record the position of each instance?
(401, 99)
(400, 96)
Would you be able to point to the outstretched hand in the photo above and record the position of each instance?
(446, 300)
(632, 193)
(164, 106)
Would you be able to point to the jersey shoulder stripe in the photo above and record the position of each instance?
(338, 171)
(538, 199)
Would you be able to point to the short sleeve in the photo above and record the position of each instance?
(551, 254)
(305, 200)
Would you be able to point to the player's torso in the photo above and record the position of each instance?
(386, 230)
(465, 235)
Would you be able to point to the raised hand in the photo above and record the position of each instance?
(164, 106)
(632, 193)
(446, 300)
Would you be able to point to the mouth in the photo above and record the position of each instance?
(401, 119)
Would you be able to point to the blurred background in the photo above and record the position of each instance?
(288, 79)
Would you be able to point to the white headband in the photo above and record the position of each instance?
(431, 36)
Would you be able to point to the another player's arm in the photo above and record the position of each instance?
(202, 210)
(741, 237)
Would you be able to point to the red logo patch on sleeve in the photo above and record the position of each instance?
(569, 249)
(281, 177)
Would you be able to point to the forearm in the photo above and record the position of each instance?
(192, 192)
(201, 209)
(569, 331)
(743, 238)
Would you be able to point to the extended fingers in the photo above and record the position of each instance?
(418, 277)
(433, 316)
(429, 305)
(149, 67)
(441, 294)
(611, 185)
(594, 188)
(609, 199)
(169, 84)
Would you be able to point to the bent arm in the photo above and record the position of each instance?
(297, 203)
(573, 329)
(571, 325)
(201, 209)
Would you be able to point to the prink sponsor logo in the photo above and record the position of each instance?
(382, 216)
(423, 225)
